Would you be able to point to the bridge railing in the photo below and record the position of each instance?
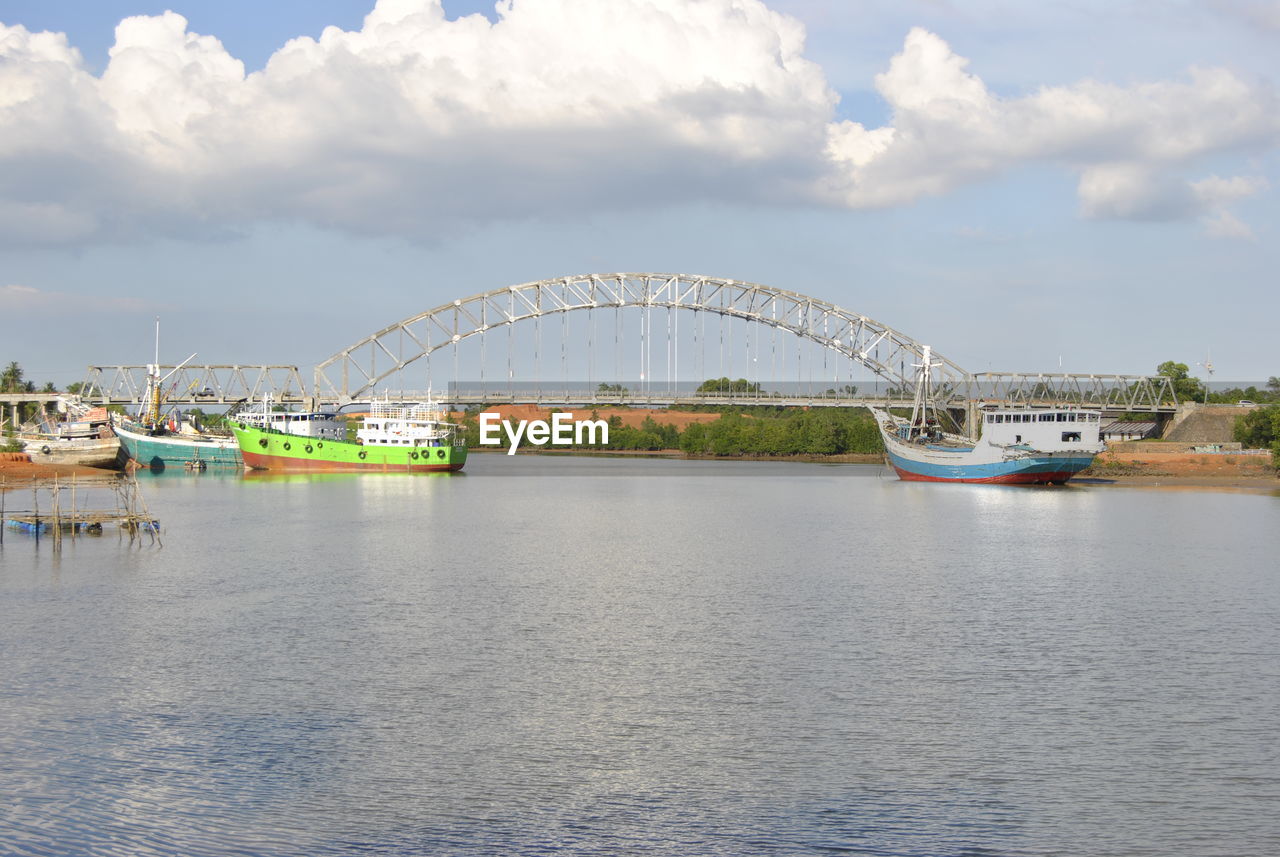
(1116, 394)
(225, 384)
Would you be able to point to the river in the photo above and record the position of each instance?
(571, 655)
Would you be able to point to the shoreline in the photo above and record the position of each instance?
(18, 471)
(1269, 484)
(1207, 471)
(843, 458)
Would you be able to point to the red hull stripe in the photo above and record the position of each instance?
(309, 465)
(1007, 479)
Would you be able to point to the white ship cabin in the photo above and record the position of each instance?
(1048, 430)
(406, 425)
(318, 424)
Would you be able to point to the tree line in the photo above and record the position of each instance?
(1260, 429)
(745, 431)
(1191, 389)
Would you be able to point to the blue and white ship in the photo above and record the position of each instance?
(1017, 445)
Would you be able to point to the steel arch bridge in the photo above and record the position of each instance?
(356, 371)
(853, 339)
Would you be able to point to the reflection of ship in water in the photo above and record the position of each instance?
(251, 475)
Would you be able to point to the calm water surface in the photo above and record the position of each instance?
(602, 656)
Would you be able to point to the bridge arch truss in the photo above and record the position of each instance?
(356, 371)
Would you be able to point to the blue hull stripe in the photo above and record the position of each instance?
(996, 470)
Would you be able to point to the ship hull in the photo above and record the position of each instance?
(86, 453)
(271, 450)
(979, 461)
(1038, 470)
(161, 451)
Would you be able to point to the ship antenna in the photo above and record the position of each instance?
(1208, 367)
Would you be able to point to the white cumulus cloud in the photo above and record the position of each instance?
(415, 124)
(1132, 147)
(414, 121)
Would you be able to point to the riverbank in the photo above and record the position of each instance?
(844, 458)
(1192, 469)
(17, 470)
(1128, 468)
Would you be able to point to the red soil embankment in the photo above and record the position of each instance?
(1184, 465)
(17, 468)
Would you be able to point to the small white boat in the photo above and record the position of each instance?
(86, 452)
(85, 438)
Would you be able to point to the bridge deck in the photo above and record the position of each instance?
(551, 398)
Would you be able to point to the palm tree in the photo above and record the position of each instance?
(11, 378)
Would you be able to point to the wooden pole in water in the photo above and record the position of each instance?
(131, 523)
(151, 525)
(115, 493)
(57, 517)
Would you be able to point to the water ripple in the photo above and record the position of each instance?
(654, 666)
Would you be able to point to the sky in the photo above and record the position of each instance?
(1079, 185)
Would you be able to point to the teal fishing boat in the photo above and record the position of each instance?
(160, 447)
(160, 443)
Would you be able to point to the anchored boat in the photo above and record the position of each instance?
(1018, 445)
(392, 437)
(167, 445)
(83, 438)
(159, 443)
(172, 442)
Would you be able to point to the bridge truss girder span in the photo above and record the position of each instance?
(356, 371)
(1137, 393)
(194, 384)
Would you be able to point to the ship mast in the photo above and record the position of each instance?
(924, 392)
(149, 413)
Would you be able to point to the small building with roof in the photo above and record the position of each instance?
(1122, 430)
